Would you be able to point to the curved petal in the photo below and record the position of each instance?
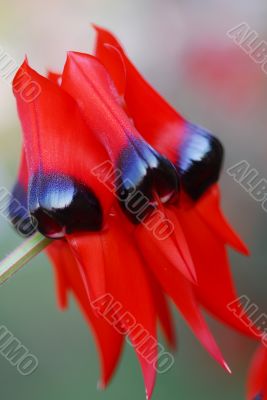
(129, 287)
(88, 251)
(181, 292)
(215, 289)
(115, 65)
(87, 81)
(157, 121)
(163, 311)
(209, 210)
(50, 135)
(109, 341)
(61, 153)
(56, 252)
(162, 232)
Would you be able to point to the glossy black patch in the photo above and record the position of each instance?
(61, 205)
(200, 161)
(143, 172)
(18, 212)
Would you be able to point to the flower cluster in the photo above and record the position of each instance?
(127, 190)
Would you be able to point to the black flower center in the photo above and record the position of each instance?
(61, 205)
(200, 161)
(142, 173)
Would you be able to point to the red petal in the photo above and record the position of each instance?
(181, 241)
(171, 246)
(215, 287)
(113, 61)
(23, 170)
(55, 252)
(116, 67)
(88, 82)
(52, 128)
(181, 291)
(163, 311)
(257, 380)
(108, 340)
(154, 118)
(127, 283)
(209, 210)
(88, 251)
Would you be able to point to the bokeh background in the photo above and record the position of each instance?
(182, 48)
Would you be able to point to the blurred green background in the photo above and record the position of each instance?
(181, 46)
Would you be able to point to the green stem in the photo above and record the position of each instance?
(22, 255)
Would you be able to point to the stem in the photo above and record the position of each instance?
(22, 255)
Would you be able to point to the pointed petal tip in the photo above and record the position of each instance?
(238, 244)
(95, 26)
(62, 306)
(227, 368)
(148, 394)
(25, 64)
(77, 56)
(70, 53)
(71, 59)
(221, 361)
(150, 385)
(245, 250)
(24, 68)
(184, 265)
(98, 28)
(101, 385)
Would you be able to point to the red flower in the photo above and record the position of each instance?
(96, 142)
(257, 382)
